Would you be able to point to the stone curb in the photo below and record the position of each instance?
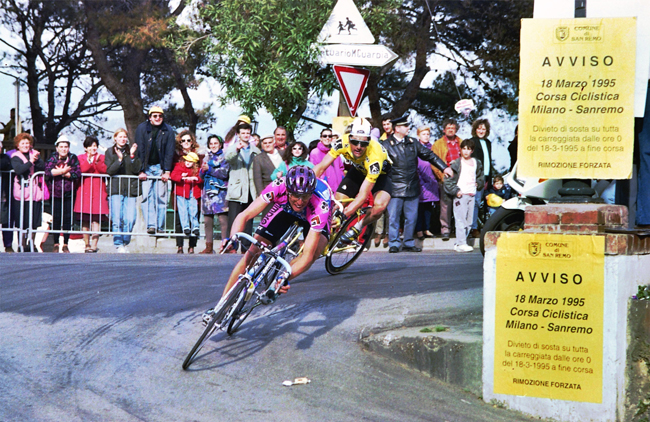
(454, 356)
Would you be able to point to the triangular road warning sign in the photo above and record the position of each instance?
(345, 25)
(353, 82)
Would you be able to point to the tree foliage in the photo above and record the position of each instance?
(52, 59)
(260, 52)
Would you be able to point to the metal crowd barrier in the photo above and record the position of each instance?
(22, 223)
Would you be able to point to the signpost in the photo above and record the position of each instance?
(353, 82)
(357, 55)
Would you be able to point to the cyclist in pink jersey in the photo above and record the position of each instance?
(300, 197)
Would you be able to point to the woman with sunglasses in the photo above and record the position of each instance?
(294, 155)
(334, 173)
(185, 143)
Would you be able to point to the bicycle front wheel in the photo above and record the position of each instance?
(217, 321)
(341, 256)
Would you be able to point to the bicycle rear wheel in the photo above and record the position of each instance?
(217, 321)
(342, 256)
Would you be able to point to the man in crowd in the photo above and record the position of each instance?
(387, 126)
(447, 148)
(265, 163)
(404, 152)
(241, 183)
(9, 131)
(280, 135)
(156, 142)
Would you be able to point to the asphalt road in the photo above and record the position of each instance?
(102, 338)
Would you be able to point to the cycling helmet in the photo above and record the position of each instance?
(300, 180)
(360, 127)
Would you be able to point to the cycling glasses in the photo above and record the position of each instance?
(356, 142)
(301, 196)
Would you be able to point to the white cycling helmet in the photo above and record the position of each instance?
(360, 127)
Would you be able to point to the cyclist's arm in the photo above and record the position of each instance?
(256, 207)
(364, 191)
(320, 168)
(310, 252)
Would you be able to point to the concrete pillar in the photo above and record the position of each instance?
(626, 266)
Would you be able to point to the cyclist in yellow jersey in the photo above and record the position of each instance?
(370, 174)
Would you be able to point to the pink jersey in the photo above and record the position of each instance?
(316, 213)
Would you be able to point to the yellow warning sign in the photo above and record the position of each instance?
(549, 316)
(576, 98)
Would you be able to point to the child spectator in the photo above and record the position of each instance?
(188, 190)
(468, 178)
(496, 194)
(296, 155)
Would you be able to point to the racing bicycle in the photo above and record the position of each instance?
(257, 286)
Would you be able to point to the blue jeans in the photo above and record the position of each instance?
(477, 202)
(395, 208)
(154, 198)
(123, 214)
(188, 212)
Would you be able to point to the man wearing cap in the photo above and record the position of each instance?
(404, 152)
(280, 135)
(265, 163)
(156, 143)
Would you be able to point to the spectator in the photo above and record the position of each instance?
(122, 163)
(334, 173)
(496, 194)
(512, 148)
(387, 126)
(381, 228)
(231, 136)
(265, 163)
(429, 190)
(91, 203)
(5, 202)
(483, 153)
(467, 179)
(255, 140)
(155, 140)
(241, 185)
(214, 172)
(447, 148)
(9, 131)
(185, 143)
(188, 191)
(296, 155)
(280, 135)
(62, 172)
(404, 152)
(25, 162)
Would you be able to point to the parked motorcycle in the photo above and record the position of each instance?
(510, 215)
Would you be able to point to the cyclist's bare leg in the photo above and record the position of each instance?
(251, 254)
(381, 201)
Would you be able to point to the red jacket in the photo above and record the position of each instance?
(183, 187)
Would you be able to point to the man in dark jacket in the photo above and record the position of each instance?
(404, 151)
(156, 141)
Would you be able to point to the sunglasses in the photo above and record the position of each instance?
(186, 140)
(327, 136)
(297, 148)
(302, 196)
(359, 143)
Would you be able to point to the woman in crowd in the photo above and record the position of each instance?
(294, 155)
(185, 143)
(483, 153)
(214, 172)
(91, 203)
(25, 161)
(62, 172)
(334, 173)
(429, 190)
(123, 165)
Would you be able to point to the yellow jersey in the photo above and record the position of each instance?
(372, 164)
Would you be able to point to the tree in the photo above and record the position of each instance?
(480, 38)
(52, 57)
(260, 52)
(127, 39)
